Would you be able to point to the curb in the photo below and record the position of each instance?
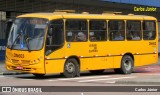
(139, 82)
(11, 73)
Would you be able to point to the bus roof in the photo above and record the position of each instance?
(52, 16)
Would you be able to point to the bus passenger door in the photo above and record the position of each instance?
(54, 51)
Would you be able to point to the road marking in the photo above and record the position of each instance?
(111, 82)
(106, 79)
(151, 74)
(67, 79)
(151, 69)
(52, 80)
(85, 78)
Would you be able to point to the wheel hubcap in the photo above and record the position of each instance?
(127, 64)
(70, 67)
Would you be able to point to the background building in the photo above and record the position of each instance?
(12, 8)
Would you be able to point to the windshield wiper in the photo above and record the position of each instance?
(19, 34)
(26, 40)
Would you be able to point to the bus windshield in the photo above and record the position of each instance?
(27, 34)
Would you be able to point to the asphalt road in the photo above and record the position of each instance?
(145, 76)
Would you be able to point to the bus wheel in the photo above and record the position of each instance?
(96, 71)
(39, 75)
(71, 68)
(127, 65)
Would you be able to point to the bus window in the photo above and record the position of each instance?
(76, 30)
(55, 36)
(149, 30)
(97, 30)
(133, 30)
(116, 30)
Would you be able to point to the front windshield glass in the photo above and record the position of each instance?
(27, 34)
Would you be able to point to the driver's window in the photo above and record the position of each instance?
(55, 36)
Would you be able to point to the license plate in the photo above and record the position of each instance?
(19, 67)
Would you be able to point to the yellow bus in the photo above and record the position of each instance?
(69, 43)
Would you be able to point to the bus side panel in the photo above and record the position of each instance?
(117, 61)
(137, 60)
(149, 59)
(54, 66)
(96, 63)
(149, 54)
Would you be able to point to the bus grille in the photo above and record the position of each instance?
(15, 62)
(25, 62)
(22, 62)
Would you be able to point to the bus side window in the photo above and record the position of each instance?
(55, 36)
(98, 30)
(133, 31)
(116, 30)
(149, 30)
(76, 30)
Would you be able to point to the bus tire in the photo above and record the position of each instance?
(96, 71)
(39, 75)
(71, 68)
(127, 65)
